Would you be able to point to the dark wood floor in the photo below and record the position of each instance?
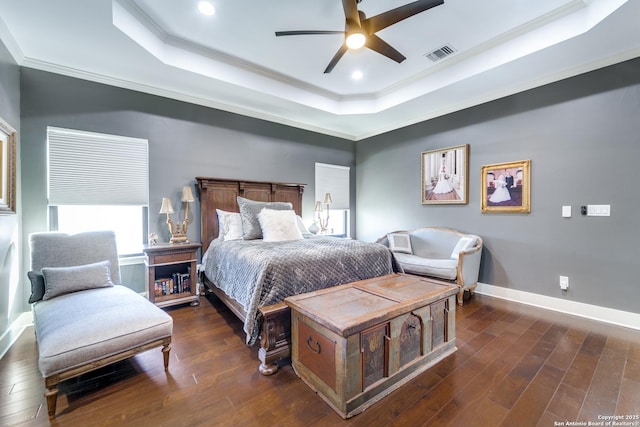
(515, 366)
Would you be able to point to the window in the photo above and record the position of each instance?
(126, 221)
(99, 182)
(339, 222)
(334, 179)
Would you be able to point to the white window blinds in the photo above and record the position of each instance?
(335, 180)
(87, 168)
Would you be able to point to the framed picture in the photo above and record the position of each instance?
(506, 187)
(445, 175)
(7, 168)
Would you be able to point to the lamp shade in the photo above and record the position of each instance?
(327, 198)
(318, 206)
(166, 207)
(187, 194)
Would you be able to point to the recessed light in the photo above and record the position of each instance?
(356, 75)
(206, 8)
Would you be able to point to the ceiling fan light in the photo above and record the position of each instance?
(356, 40)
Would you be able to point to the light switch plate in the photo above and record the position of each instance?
(598, 210)
(566, 211)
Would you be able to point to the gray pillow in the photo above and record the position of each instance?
(37, 286)
(249, 210)
(400, 242)
(63, 280)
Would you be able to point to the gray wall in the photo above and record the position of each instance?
(185, 141)
(11, 290)
(582, 136)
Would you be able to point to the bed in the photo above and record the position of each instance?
(252, 277)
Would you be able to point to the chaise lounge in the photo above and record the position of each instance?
(438, 252)
(84, 319)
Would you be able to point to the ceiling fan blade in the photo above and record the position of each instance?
(376, 43)
(351, 12)
(390, 17)
(305, 32)
(336, 58)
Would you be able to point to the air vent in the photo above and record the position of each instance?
(440, 53)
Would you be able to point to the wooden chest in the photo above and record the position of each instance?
(354, 344)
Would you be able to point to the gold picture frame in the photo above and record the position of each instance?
(445, 176)
(7, 168)
(506, 187)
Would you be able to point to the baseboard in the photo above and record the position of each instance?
(593, 312)
(11, 335)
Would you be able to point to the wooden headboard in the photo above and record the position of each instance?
(219, 193)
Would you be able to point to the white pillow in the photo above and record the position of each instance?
(463, 244)
(249, 210)
(229, 225)
(279, 225)
(303, 229)
(400, 242)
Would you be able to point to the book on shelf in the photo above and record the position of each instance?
(176, 284)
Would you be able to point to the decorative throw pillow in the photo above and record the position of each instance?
(37, 286)
(229, 225)
(221, 217)
(63, 280)
(279, 226)
(301, 226)
(249, 210)
(463, 244)
(400, 242)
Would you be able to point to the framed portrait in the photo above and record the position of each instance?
(7, 168)
(506, 187)
(445, 175)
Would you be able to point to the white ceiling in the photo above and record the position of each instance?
(233, 60)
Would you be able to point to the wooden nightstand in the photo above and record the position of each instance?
(171, 273)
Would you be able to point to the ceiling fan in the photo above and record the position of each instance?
(361, 31)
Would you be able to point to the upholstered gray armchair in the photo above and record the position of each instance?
(84, 318)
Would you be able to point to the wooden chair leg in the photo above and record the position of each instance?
(472, 289)
(165, 353)
(52, 399)
(460, 296)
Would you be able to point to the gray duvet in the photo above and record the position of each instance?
(257, 273)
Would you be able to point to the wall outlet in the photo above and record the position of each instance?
(564, 282)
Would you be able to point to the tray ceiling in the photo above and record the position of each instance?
(233, 61)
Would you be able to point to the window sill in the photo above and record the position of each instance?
(131, 260)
